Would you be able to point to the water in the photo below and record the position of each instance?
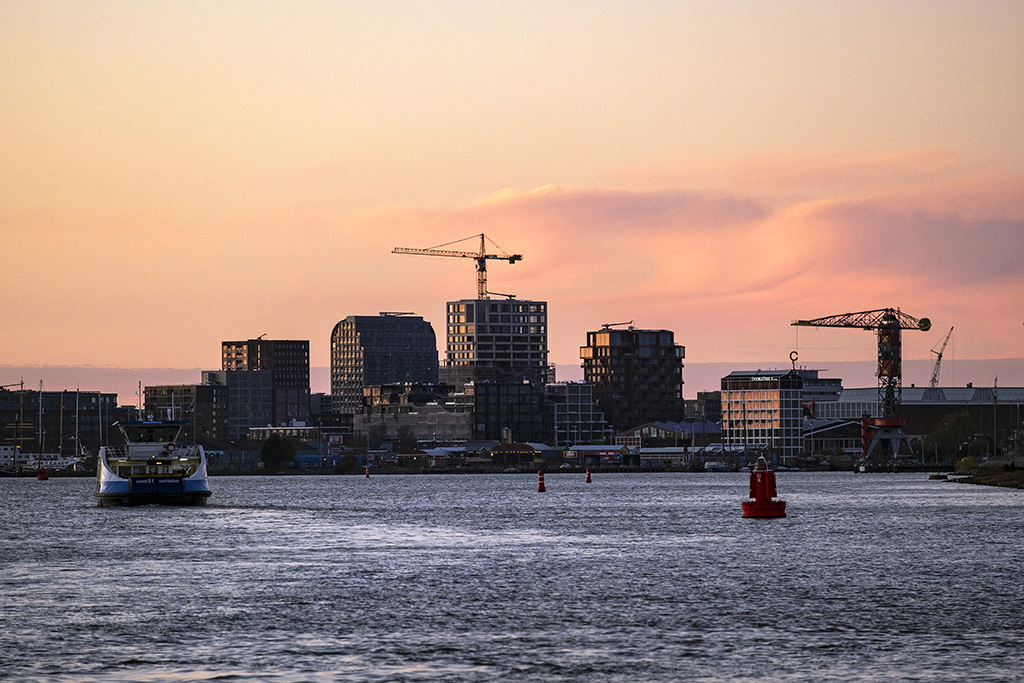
(635, 577)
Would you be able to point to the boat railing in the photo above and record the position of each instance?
(116, 452)
(125, 453)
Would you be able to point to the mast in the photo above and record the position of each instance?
(78, 446)
(42, 434)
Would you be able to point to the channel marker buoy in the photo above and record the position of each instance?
(763, 493)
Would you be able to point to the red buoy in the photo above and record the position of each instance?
(540, 481)
(588, 475)
(42, 475)
(763, 493)
(367, 472)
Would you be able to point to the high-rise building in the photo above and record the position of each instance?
(496, 340)
(637, 375)
(386, 349)
(287, 361)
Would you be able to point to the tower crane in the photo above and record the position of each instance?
(938, 358)
(889, 323)
(480, 256)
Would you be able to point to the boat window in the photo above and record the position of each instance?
(150, 433)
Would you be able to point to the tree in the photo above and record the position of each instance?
(277, 453)
(349, 464)
(952, 431)
(378, 434)
(406, 438)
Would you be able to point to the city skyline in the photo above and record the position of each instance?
(174, 176)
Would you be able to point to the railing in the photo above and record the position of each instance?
(125, 453)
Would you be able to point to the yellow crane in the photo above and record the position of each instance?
(480, 256)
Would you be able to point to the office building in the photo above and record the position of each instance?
(379, 350)
(762, 411)
(637, 375)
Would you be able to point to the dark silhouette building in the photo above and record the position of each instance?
(287, 361)
(637, 375)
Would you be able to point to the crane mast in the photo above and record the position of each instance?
(889, 324)
(480, 256)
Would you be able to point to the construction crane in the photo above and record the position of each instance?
(938, 358)
(480, 256)
(889, 323)
(608, 326)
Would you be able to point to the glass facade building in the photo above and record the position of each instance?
(379, 350)
(761, 410)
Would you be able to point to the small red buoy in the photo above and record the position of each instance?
(588, 475)
(367, 472)
(540, 481)
(763, 493)
(42, 475)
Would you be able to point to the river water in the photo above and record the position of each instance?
(634, 577)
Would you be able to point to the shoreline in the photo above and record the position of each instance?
(1005, 478)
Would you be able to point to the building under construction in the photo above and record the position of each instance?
(496, 340)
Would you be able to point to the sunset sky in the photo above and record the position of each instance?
(177, 174)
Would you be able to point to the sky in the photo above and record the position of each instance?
(173, 175)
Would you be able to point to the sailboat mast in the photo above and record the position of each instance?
(42, 434)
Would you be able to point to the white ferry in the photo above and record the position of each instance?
(151, 467)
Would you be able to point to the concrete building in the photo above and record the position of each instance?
(287, 361)
(379, 350)
(637, 375)
(504, 341)
(412, 413)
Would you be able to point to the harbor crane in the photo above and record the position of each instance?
(938, 358)
(480, 256)
(889, 323)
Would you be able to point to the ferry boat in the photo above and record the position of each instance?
(152, 467)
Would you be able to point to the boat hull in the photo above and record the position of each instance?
(153, 491)
(764, 508)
